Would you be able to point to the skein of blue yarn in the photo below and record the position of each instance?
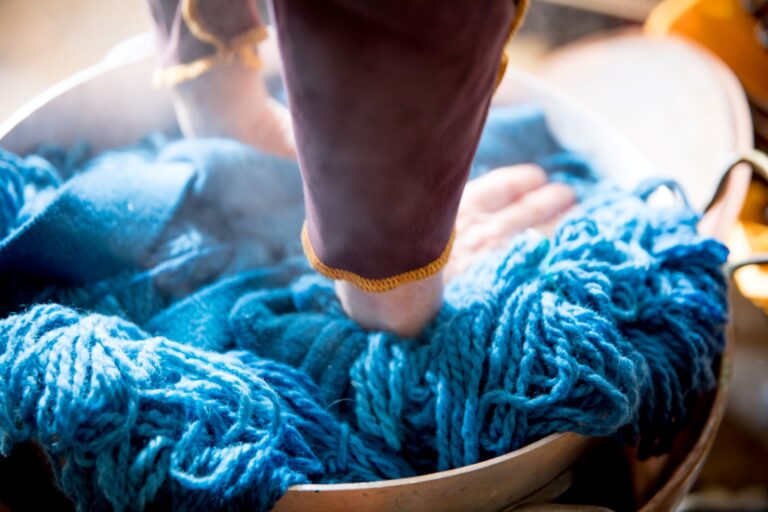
(607, 329)
(129, 419)
(177, 376)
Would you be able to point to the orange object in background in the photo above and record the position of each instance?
(751, 233)
(749, 239)
(726, 28)
(732, 31)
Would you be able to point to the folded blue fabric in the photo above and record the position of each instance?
(165, 343)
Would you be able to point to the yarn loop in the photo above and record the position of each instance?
(192, 372)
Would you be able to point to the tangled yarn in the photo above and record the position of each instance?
(24, 184)
(610, 326)
(148, 385)
(129, 414)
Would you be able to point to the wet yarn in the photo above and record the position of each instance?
(611, 327)
(209, 368)
(131, 419)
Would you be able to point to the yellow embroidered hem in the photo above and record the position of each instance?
(179, 73)
(241, 49)
(375, 285)
(194, 22)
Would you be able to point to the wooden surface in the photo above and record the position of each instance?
(487, 486)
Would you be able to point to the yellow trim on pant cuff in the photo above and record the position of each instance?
(375, 285)
(194, 22)
(174, 75)
(240, 49)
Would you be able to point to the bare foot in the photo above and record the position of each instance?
(493, 209)
(232, 101)
(403, 311)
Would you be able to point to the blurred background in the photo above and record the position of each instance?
(44, 41)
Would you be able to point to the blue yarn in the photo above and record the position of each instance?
(208, 368)
(575, 334)
(25, 186)
(124, 414)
